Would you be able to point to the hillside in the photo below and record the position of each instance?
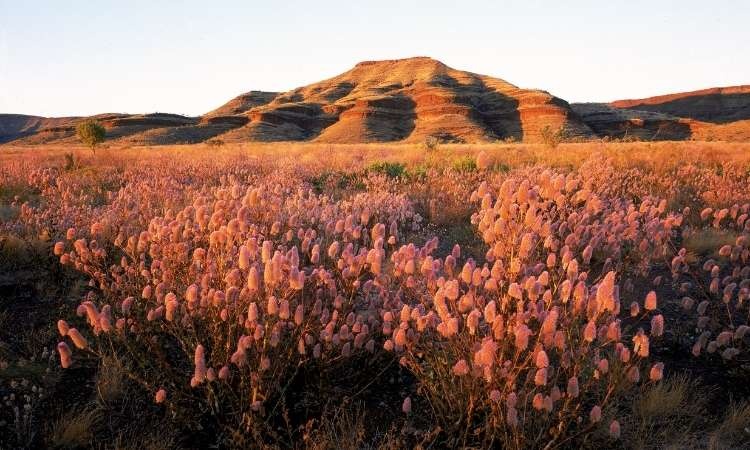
(711, 114)
(413, 100)
(406, 100)
(715, 105)
(14, 126)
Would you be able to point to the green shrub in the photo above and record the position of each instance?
(465, 164)
(71, 162)
(389, 169)
(501, 168)
(552, 138)
(91, 133)
(418, 173)
(432, 142)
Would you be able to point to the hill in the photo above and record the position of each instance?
(406, 100)
(14, 126)
(721, 113)
(715, 105)
(413, 100)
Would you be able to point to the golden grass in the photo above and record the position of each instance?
(159, 440)
(707, 241)
(110, 382)
(734, 430)
(666, 415)
(659, 155)
(75, 429)
(17, 252)
(668, 398)
(346, 429)
(663, 415)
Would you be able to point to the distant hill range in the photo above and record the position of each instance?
(716, 113)
(412, 100)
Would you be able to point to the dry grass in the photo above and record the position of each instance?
(435, 184)
(14, 252)
(659, 155)
(110, 382)
(734, 430)
(667, 415)
(706, 242)
(347, 428)
(75, 429)
(140, 441)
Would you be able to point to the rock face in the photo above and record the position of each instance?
(15, 126)
(608, 121)
(122, 128)
(717, 113)
(715, 105)
(243, 103)
(406, 100)
(413, 100)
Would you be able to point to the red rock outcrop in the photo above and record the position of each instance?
(15, 126)
(243, 103)
(608, 121)
(709, 114)
(407, 100)
(413, 100)
(715, 105)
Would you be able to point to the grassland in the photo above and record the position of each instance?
(592, 295)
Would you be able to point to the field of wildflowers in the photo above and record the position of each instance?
(292, 296)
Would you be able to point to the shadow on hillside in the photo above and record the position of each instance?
(390, 118)
(714, 108)
(292, 122)
(339, 91)
(123, 127)
(665, 130)
(494, 111)
(642, 130)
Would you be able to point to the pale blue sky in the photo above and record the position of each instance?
(84, 57)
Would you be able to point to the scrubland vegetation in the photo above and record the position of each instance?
(309, 296)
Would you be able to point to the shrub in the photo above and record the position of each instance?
(228, 314)
(532, 332)
(533, 339)
(552, 138)
(75, 429)
(390, 169)
(432, 142)
(215, 142)
(719, 305)
(110, 381)
(246, 286)
(91, 133)
(465, 164)
(71, 162)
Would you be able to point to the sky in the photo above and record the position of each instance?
(62, 58)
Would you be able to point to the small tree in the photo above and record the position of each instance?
(552, 138)
(432, 142)
(91, 133)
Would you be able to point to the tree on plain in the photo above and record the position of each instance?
(91, 133)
